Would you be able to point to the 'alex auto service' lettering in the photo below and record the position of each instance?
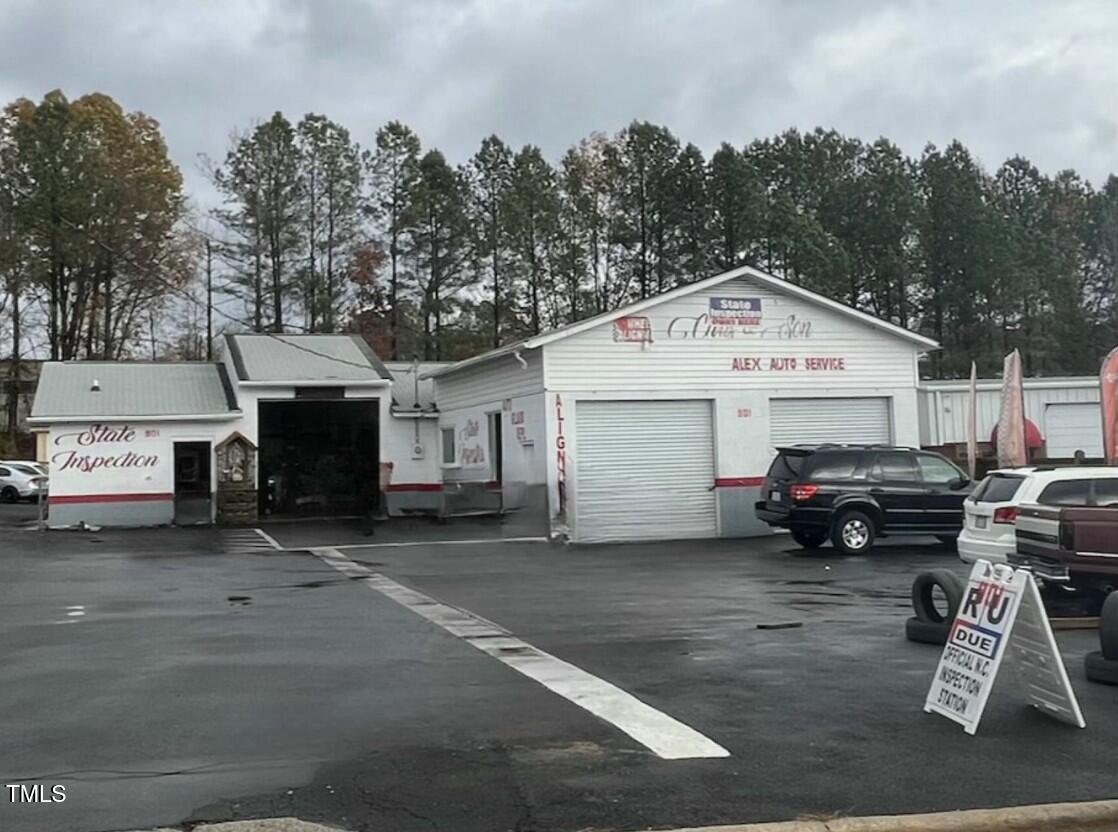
(788, 363)
(71, 459)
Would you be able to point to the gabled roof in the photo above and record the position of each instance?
(290, 358)
(776, 284)
(90, 390)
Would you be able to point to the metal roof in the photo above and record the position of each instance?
(954, 385)
(70, 390)
(324, 358)
(767, 280)
(405, 385)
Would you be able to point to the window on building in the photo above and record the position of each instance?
(1066, 493)
(449, 452)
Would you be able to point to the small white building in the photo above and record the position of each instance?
(284, 425)
(659, 420)
(1065, 409)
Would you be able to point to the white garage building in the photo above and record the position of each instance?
(1065, 409)
(658, 420)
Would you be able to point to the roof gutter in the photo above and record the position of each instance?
(137, 417)
(326, 382)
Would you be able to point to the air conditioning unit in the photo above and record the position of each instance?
(417, 451)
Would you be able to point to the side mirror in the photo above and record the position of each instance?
(958, 483)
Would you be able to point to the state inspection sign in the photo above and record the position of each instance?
(981, 635)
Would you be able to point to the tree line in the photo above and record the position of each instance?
(317, 232)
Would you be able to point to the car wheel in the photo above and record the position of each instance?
(926, 632)
(853, 533)
(1100, 668)
(1108, 627)
(947, 539)
(809, 540)
(9, 495)
(923, 604)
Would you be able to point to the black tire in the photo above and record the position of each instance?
(948, 539)
(809, 539)
(1100, 669)
(1108, 627)
(924, 605)
(853, 533)
(9, 495)
(926, 632)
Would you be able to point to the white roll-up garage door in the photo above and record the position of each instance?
(644, 471)
(1070, 427)
(812, 421)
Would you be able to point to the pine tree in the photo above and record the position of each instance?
(395, 180)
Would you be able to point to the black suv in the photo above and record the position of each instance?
(853, 493)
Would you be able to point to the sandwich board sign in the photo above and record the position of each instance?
(1001, 612)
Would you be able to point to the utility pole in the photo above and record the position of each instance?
(209, 302)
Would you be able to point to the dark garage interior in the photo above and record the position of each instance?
(318, 457)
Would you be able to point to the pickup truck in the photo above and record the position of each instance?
(1075, 547)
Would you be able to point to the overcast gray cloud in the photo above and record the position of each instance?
(1038, 79)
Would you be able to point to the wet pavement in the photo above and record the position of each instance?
(18, 516)
(193, 680)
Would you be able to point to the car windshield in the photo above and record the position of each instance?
(26, 469)
(998, 488)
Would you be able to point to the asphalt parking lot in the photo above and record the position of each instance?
(169, 676)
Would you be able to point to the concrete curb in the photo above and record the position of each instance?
(260, 825)
(1098, 815)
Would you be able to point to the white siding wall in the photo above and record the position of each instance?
(943, 406)
(524, 454)
(141, 462)
(870, 358)
(493, 381)
(593, 366)
(398, 436)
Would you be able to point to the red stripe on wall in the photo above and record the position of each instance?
(108, 498)
(739, 482)
(415, 486)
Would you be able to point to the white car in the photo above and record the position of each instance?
(990, 512)
(38, 467)
(20, 482)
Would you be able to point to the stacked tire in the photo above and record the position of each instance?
(1102, 665)
(929, 625)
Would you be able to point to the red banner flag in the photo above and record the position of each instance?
(1108, 399)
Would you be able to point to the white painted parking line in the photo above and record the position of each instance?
(664, 736)
(271, 540)
(404, 543)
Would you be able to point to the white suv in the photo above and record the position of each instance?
(990, 512)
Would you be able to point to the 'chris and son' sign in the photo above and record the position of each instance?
(725, 318)
(99, 446)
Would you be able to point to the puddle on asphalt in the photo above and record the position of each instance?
(825, 582)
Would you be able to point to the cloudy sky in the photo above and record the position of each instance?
(1038, 79)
